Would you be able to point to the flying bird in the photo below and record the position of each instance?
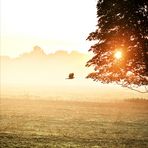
(71, 76)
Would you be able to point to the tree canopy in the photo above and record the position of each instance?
(121, 48)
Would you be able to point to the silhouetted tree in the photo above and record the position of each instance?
(121, 48)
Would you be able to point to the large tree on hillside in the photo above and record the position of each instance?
(121, 49)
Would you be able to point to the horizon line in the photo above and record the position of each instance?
(45, 53)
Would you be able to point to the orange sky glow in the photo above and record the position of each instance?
(53, 25)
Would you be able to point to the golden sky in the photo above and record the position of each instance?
(51, 24)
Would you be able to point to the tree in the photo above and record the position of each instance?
(121, 48)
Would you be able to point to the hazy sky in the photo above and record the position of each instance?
(51, 24)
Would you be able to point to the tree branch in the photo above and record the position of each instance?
(146, 90)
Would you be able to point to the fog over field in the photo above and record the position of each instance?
(39, 75)
(46, 98)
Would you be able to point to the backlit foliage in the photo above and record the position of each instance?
(122, 24)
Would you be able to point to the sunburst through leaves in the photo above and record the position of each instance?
(121, 24)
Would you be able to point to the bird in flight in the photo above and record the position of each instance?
(71, 76)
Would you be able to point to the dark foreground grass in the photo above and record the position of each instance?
(16, 140)
(36, 123)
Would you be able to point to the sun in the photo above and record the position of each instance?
(118, 55)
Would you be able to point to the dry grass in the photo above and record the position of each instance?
(42, 123)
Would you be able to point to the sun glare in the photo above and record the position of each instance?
(118, 55)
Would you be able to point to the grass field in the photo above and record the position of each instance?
(69, 124)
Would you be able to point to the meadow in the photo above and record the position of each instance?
(73, 124)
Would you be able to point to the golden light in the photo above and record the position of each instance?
(118, 55)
